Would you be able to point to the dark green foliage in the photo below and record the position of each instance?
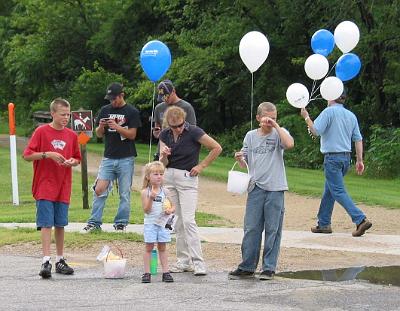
(306, 152)
(232, 139)
(74, 48)
(382, 157)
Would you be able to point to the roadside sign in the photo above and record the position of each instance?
(83, 138)
(82, 121)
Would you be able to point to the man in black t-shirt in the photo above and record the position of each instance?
(117, 122)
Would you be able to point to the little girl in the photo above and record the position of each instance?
(154, 198)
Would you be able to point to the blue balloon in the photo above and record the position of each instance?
(322, 42)
(347, 66)
(155, 59)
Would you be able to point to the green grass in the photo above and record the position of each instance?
(20, 130)
(362, 189)
(302, 181)
(25, 212)
(72, 239)
(365, 190)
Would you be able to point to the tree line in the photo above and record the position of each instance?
(74, 48)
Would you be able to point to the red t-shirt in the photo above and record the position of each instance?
(51, 181)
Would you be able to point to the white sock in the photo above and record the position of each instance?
(46, 258)
(58, 258)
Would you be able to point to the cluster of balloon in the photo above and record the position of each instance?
(346, 37)
(253, 50)
(155, 59)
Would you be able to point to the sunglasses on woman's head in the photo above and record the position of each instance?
(177, 126)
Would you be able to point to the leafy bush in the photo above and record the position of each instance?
(232, 140)
(382, 157)
(305, 153)
(89, 88)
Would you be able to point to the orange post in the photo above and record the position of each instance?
(11, 118)
(13, 153)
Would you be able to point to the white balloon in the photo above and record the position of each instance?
(331, 88)
(297, 95)
(253, 50)
(316, 66)
(346, 36)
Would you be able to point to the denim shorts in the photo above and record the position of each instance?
(154, 233)
(51, 214)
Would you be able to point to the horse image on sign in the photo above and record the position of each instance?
(82, 121)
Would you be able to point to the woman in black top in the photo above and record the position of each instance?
(180, 145)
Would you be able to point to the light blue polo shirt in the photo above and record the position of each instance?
(338, 127)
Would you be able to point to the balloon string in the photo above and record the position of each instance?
(312, 88)
(251, 105)
(313, 92)
(315, 98)
(151, 121)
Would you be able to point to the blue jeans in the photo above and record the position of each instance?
(111, 169)
(335, 168)
(264, 211)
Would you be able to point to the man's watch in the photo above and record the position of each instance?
(44, 155)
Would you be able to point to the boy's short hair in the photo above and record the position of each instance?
(267, 106)
(59, 102)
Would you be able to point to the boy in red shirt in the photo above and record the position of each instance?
(54, 149)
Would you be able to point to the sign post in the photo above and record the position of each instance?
(82, 122)
(13, 154)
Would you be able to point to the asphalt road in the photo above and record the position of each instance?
(21, 288)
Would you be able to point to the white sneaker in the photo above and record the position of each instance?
(180, 269)
(90, 228)
(199, 270)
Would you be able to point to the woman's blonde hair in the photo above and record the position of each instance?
(174, 113)
(152, 167)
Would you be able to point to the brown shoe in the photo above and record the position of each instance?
(319, 229)
(362, 227)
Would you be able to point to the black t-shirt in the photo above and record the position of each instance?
(185, 151)
(117, 146)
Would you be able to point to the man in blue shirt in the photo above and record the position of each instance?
(338, 127)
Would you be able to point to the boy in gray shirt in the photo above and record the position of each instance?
(263, 151)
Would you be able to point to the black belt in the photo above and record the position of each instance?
(337, 153)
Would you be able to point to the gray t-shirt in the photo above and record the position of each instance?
(264, 155)
(160, 109)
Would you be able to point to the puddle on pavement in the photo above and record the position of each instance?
(389, 275)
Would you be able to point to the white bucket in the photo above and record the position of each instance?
(238, 182)
(114, 268)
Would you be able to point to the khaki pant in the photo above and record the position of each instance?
(182, 190)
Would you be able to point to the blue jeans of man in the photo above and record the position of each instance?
(264, 211)
(122, 171)
(335, 168)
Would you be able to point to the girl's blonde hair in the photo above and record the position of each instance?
(155, 166)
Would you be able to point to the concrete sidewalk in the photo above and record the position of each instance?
(369, 243)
